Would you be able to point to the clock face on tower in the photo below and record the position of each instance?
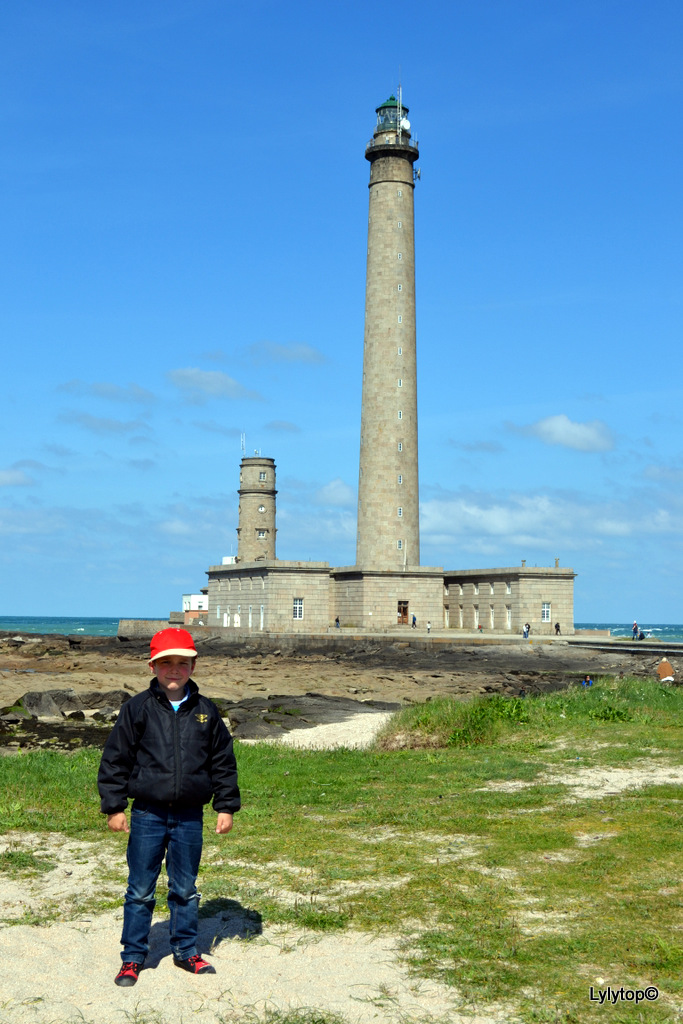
(262, 508)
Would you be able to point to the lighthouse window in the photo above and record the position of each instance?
(400, 255)
(399, 350)
(399, 383)
(400, 319)
(400, 512)
(400, 478)
(399, 545)
(400, 446)
(262, 476)
(400, 225)
(399, 193)
(400, 287)
(261, 534)
(400, 414)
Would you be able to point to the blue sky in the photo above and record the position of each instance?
(183, 200)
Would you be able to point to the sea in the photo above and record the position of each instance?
(96, 626)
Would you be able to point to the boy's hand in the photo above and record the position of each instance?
(117, 822)
(223, 823)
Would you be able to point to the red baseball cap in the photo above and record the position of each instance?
(172, 641)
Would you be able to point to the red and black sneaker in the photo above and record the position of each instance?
(128, 974)
(195, 965)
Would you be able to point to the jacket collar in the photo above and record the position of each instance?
(159, 694)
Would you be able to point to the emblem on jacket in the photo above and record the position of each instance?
(202, 718)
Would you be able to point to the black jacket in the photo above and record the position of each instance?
(156, 754)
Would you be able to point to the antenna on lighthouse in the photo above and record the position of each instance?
(400, 111)
(243, 443)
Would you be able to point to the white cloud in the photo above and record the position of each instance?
(101, 425)
(14, 478)
(199, 386)
(270, 352)
(211, 427)
(594, 436)
(336, 493)
(283, 427)
(112, 392)
(493, 524)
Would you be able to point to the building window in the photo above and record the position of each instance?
(400, 478)
(400, 512)
(492, 616)
(400, 287)
(262, 509)
(508, 588)
(545, 611)
(298, 608)
(399, 193)
(400, 225)
(262, 476)
(476, 616)
(399, 383)
(400, 414)
(399, 545)
(400, 319)
(508, 616)
(460, 589)
(491, 587)
(399, 351)
(476, 588)
(400, 256)
(400, 446)
(261, 534)
(218, 611)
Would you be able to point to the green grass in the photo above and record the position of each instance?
(467, 842)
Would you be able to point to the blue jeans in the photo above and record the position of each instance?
(156, 830)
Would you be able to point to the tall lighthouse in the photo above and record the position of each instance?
(388, 497)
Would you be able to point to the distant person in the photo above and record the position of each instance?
(665, 671)
(526, 630)
(337, 623)
(641, 635)
(557, 629)
(586, 681)
(414, 621)
(635, 630)
(429, 627)
(169, 752)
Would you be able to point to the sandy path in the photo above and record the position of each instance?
(65, 972)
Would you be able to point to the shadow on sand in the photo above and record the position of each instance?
(218, 919)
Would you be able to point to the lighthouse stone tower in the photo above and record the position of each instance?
(387, 585)
(388, 497)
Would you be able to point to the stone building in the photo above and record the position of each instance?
(387, 586)
(503, 600)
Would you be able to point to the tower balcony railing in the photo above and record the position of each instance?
(394, 140)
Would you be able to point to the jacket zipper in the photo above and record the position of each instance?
(176, 752)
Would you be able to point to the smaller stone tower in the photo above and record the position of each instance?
(256, 529)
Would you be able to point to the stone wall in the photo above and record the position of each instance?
(140, 627)
(368, 599)
(502, 600)
(254, 597)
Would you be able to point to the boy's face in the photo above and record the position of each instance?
(172, 672)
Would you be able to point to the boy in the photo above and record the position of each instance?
(171, 752)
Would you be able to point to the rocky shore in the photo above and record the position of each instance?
(64, 691)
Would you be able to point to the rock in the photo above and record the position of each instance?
(105, 715)
(40, 704)
(76, 716)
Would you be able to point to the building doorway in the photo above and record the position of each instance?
(402, 614)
